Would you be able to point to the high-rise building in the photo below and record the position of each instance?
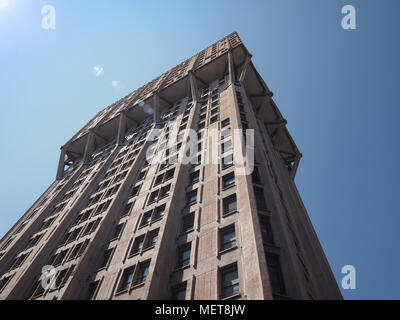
(123, 220)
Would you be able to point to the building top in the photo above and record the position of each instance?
(206, 66)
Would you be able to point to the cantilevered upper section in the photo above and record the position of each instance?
(206, 66)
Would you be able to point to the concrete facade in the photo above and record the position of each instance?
(115, 225)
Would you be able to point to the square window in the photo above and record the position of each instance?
(191, 197)
(159, 179)
(146, 218)
(143, 273)
(227, 238)
(179, 292)
(195, 177)
(214, 111)
(93, 290)
(228, 180)
(164, 192)
(137, 245)
(266, 230)
(260, 199)
(117, 231)
(169, 174)
(159, 212)
(227, 161)
(188, 222)
(152, 238)
(106, 258)
(225, 123)
(225, 133)
(275, 274)
(214, 119)
(153, 196)
(126, 279)
(229, 204)
(127, 209)
(226, 146)
(229, 282)
(184, 256)
(141, 175)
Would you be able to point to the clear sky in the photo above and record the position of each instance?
(337, 88)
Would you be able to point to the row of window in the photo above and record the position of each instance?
(228, 284)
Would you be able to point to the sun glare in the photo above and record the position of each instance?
(3, 4)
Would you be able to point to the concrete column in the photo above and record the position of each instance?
(156, 105)
(231, 67)
(89, 147)
(245, 67)
(121, 128)
(61, 163)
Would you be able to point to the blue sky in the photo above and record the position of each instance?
(337, 89)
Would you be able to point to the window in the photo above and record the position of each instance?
(260, 200)
(225, 123)
(179, 292)
(194, 177)
(135, 191)
(229, 282)
(169, 174)
(87, 230)
(191, 197)
(153, 196)
(229, 204)
(106, 258)
(146, 218)
(188, 222)
(137, 245)
(184, 256)
(63, 276)
(214, 119)
(38, 290)
(141, 175)
(78, 250)
(226, 146)
(126, 279)
(228, 180)
(159, 179)
(227, 238)
(152, 239)
(159, 212)
(227, 161)
(266, 230)
(164, 191)
(33, 241)
(102, 207)
(275, 274)
(225, 134)
(143, 272)
(117, 231)
(4, 282)
(214, 111)
(57, 259)
(127, 209)
(93, 290)
(256, 176)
